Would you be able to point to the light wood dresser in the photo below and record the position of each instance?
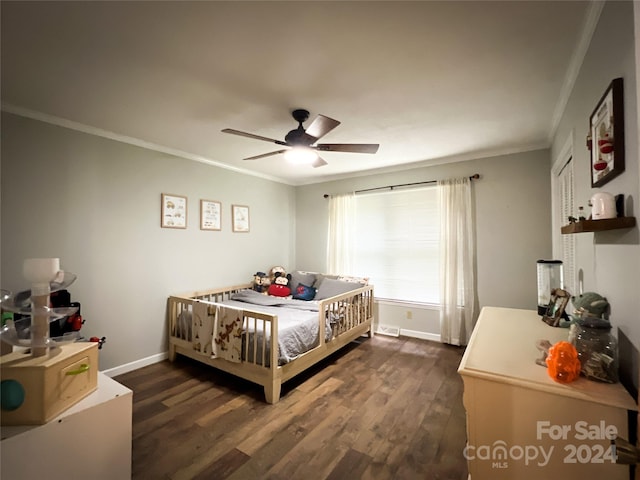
(523, 425)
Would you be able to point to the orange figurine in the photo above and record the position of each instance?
(563, 364)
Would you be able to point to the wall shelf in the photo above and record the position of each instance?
(599, 225)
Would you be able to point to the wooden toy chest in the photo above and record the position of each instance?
(50, 384)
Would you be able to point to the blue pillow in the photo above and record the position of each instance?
(302, 292)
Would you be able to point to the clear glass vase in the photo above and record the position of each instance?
(597, 349)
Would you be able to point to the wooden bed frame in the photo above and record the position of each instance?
(354, 310)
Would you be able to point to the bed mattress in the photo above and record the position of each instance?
(297, 322)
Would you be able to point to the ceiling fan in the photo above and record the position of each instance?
(301, 142)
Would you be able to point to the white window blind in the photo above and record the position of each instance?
(567, 209)
(397, 243)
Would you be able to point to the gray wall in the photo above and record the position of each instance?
(513, 229)
(610, 261)
(95, 204)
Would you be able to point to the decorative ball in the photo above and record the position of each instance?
(563, 364)
(11, 394)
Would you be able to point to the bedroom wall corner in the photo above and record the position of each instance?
(95, 203)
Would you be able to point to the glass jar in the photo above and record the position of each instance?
(597, 349)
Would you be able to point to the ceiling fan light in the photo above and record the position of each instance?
(301, 155)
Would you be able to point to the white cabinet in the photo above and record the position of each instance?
(91, 439)
(520, 423)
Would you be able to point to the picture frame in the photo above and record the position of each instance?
(210, 215)
(173, 211)
(240, 218)
(606, 136)
(555, 308)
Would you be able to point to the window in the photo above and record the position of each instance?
(397, 243)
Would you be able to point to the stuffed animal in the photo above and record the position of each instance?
(261, 282)
(273, 271)
(280, 286)
(590, 304)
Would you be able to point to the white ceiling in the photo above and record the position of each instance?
(430, 81)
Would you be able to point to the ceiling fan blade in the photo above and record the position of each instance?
(348, 147)
(265, 155)
(319, 162)
(320, 126)
(251, 135)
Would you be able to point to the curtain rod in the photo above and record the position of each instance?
(475, 176)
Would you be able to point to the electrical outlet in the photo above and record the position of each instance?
(409, 314)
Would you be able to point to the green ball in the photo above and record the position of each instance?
(11, 394)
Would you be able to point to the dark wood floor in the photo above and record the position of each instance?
(382, 408)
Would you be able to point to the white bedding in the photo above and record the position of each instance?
(297, 325)
(297, 321)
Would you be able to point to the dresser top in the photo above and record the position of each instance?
(503, 349)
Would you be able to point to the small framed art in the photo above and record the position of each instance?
(210, 211)
(606, 136)
(174, 211)
(240, 218)
(555, 309)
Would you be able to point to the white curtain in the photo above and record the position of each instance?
(341, 235)
(457, 285)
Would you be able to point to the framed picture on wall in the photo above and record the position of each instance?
(173, 211)
(606, 136)
(240, 218)
(210, 215)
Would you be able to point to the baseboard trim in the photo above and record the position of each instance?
(422, 335)
(143, 362)
(129, 367)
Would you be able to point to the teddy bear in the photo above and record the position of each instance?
(274, 270)
(261, 282)
(280, 285)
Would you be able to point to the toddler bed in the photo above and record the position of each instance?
(264, 339)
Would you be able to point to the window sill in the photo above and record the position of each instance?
(404, 303)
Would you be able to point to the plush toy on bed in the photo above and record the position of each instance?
(261, 282)
(280, 285)
(274, 270)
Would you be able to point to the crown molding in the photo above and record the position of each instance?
(463, 157)
(80, 127)
(588, 29)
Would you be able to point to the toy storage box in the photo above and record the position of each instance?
(52, 383)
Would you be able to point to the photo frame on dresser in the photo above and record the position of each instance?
(606, 135)
(555, 308)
